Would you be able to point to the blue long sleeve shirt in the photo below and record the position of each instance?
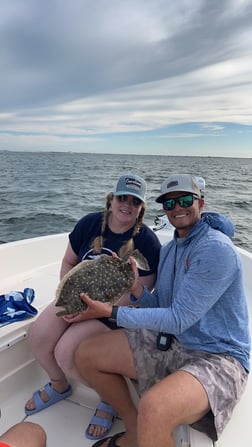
(199, 295)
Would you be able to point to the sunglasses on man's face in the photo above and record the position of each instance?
(183, 201)
(134, 200)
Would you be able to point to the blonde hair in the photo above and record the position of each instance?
(128, 247)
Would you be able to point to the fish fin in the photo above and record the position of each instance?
(141, 261)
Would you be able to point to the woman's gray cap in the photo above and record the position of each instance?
(131, 184)
(179, 182)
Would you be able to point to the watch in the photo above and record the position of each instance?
(113, 314)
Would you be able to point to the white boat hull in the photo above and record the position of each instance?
(35, 263)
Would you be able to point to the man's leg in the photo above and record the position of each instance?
(103, 361)
(178, 399)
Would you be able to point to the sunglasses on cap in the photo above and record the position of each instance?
(124, 198)
(183, 201)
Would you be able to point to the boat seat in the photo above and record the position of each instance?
(19, 271)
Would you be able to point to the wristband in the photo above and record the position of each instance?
(113, 316)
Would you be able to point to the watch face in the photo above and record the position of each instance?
(162, 340)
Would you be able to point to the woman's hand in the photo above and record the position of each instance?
(73, 318)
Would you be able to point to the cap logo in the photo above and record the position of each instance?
(133, 183)
(171, 184)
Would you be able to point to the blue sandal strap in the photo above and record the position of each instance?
(107, 408)
(53, 395)
(101, 422)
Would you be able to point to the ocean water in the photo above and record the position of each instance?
(46, 193)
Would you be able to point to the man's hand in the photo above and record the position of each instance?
(95, 309)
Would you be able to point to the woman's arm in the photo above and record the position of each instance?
(70, 259)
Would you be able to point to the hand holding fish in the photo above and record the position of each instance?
(95, 308)
(73, 318)
(104, 279)
(98, 309)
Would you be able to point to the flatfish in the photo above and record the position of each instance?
(105, 279)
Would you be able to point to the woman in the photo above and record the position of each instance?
(53, 339)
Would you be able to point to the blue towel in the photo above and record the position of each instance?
(16, 306)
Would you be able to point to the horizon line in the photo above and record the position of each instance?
(118, 153)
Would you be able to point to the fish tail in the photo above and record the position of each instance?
(141, 261)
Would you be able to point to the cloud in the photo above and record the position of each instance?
(85, 69)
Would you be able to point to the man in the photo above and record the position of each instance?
(187, 343)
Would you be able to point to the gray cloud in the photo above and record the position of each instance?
(76, 70)
(56, 51)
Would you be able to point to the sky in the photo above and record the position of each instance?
(127, 76)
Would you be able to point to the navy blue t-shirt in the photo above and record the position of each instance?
(89, 227)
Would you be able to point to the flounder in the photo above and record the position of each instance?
(104, 279)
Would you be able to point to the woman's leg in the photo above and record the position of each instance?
(104, 361)
(53, 342)
(43, 337)
(64, 354)
(69, 342)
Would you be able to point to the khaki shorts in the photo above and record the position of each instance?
(223, 378)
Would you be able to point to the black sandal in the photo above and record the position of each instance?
(112, 440)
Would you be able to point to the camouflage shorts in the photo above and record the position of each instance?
(223, 378)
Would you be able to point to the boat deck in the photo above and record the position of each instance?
(20, 374)
(67, 420)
